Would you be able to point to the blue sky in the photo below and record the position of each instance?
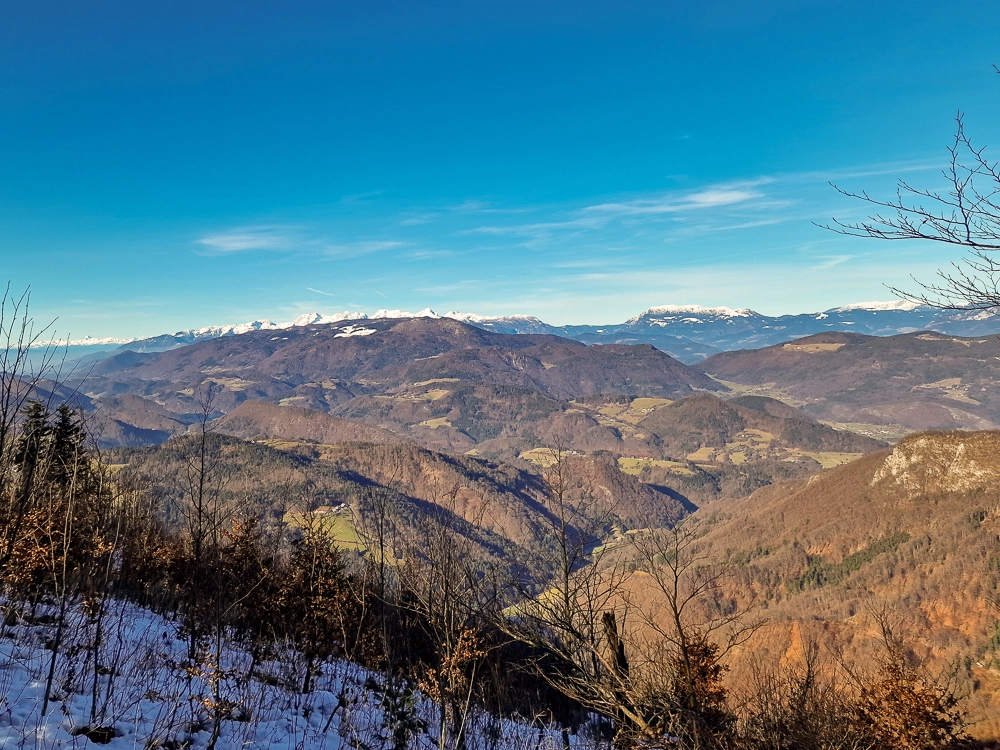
(175, 164)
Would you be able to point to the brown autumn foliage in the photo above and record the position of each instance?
(914, 529)
(256, 581)
(901, 706)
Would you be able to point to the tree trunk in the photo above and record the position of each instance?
(56, 643)
(307, 682)
(624, 726)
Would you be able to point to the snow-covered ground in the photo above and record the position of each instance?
(149, 695)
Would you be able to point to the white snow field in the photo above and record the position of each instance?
(147, 695)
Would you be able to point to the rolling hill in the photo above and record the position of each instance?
(698, 447)
(454, 388)
(915, 528)
(258, 419)
(899, 383)
(501, 507)
(323, 366)
(389, 373)
(692, 423)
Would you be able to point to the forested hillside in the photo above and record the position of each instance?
(485, 551)
(487, 590)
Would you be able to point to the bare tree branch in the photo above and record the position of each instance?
(966, 215)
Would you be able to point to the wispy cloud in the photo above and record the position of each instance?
(416, 220)
(470, 206)
(532, 230)
(486, 207)
(735, 205)
(363, 247)
(289, 239)
(750, 224)
(829, 261)
(739, 243)
(357, 197)
(430, 254)
(243, 239)
(712, 197)
(878, 169)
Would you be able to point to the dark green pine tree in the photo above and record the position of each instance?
(28, 453)
(67, 443)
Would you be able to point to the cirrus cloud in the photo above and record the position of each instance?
(713, 197)
(288, 239)
(243, 239)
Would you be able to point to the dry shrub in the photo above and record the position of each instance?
(801, 708)
(902, 706)
(840, 707)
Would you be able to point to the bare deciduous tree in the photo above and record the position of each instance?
(205, 517)
(965, 213)
(569, 604)
(19, 381)
(691, 621)
(634, 625)
(449, 584)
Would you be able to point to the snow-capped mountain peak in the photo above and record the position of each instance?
(192, 335)
(425, 313)
(312, 319)
(717, 312)
(235, 329)
(474, 318)
(688, 332)
(896, 304)
(229, 330)
(85, 341)
(664, 314)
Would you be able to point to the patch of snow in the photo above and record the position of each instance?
(354, 331)
(158, 698)
(306, 319)
(214, 332)
(973, 315)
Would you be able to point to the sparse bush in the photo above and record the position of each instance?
(799, 708)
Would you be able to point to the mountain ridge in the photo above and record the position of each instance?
(919, 381)
(690, 333)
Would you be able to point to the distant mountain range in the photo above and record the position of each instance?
(689, 333)
(451, 387)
